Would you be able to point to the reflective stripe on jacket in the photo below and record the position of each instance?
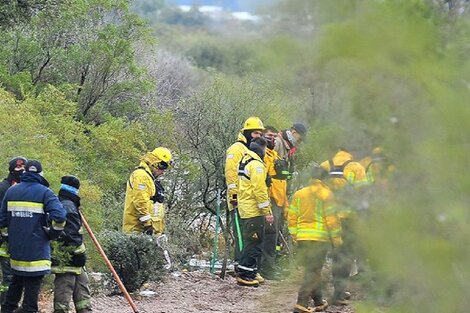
(158, 218)
(253, 198)
(66, 269)
(138, 204)
(233, 157)
(311, 216)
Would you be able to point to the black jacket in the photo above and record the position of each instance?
(4, 185)
(72, 239)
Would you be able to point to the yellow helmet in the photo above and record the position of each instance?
(163, 154)
(160, 158)
(253, 123)
(377, 151)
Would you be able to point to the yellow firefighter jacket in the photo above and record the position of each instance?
(278, 189)
(377, 171)
(311, 215)
(138, 205)
(234, 155)
(353, 172)
(253, 198)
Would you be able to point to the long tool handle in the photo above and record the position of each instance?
(108, 263)
(216, 235)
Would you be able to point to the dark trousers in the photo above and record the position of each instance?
(31, 286)
(270, 242)
(237, 233)
(253, 238)
(69, 286)
(311, 255)
(343, 259)
(7, 277)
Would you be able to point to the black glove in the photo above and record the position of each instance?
(79, 260)
(268, 181)
(148, 230)
(159, 192)
(52, 233)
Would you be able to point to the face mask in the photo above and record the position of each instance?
(270, 142)
(291, 138)
(16, 176)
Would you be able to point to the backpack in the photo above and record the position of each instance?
(282, 170)
(337, 171)
(242, 173)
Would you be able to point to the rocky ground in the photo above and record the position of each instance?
(190, 292)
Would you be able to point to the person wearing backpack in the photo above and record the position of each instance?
(315, 227)
(254, 207)
(346, 178)
(252, 128)
(278, 199)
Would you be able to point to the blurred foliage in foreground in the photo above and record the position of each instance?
(396, 74)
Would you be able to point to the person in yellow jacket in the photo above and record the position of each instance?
(157, 214)
(252, 128)
(254, 208)
(345, 171)
(286, 144)
(315, 227)
(141, 192)
(378, 167)
(277, 193)
(346, 178)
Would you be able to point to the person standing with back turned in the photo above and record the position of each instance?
(27, 210)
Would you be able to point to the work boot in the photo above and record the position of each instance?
(247, 282)
(260, 278)
(299, 308)
(320, 306)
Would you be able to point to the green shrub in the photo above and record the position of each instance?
(136, 257)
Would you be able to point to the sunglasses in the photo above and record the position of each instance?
(162, 165)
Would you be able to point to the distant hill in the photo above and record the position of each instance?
(229, 5)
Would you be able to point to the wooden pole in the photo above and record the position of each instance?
(108, 263)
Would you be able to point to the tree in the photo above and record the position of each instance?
(89, 44)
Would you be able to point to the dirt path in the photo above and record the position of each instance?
(200, 292)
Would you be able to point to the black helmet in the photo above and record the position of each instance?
(16, 162)
(71, 181)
